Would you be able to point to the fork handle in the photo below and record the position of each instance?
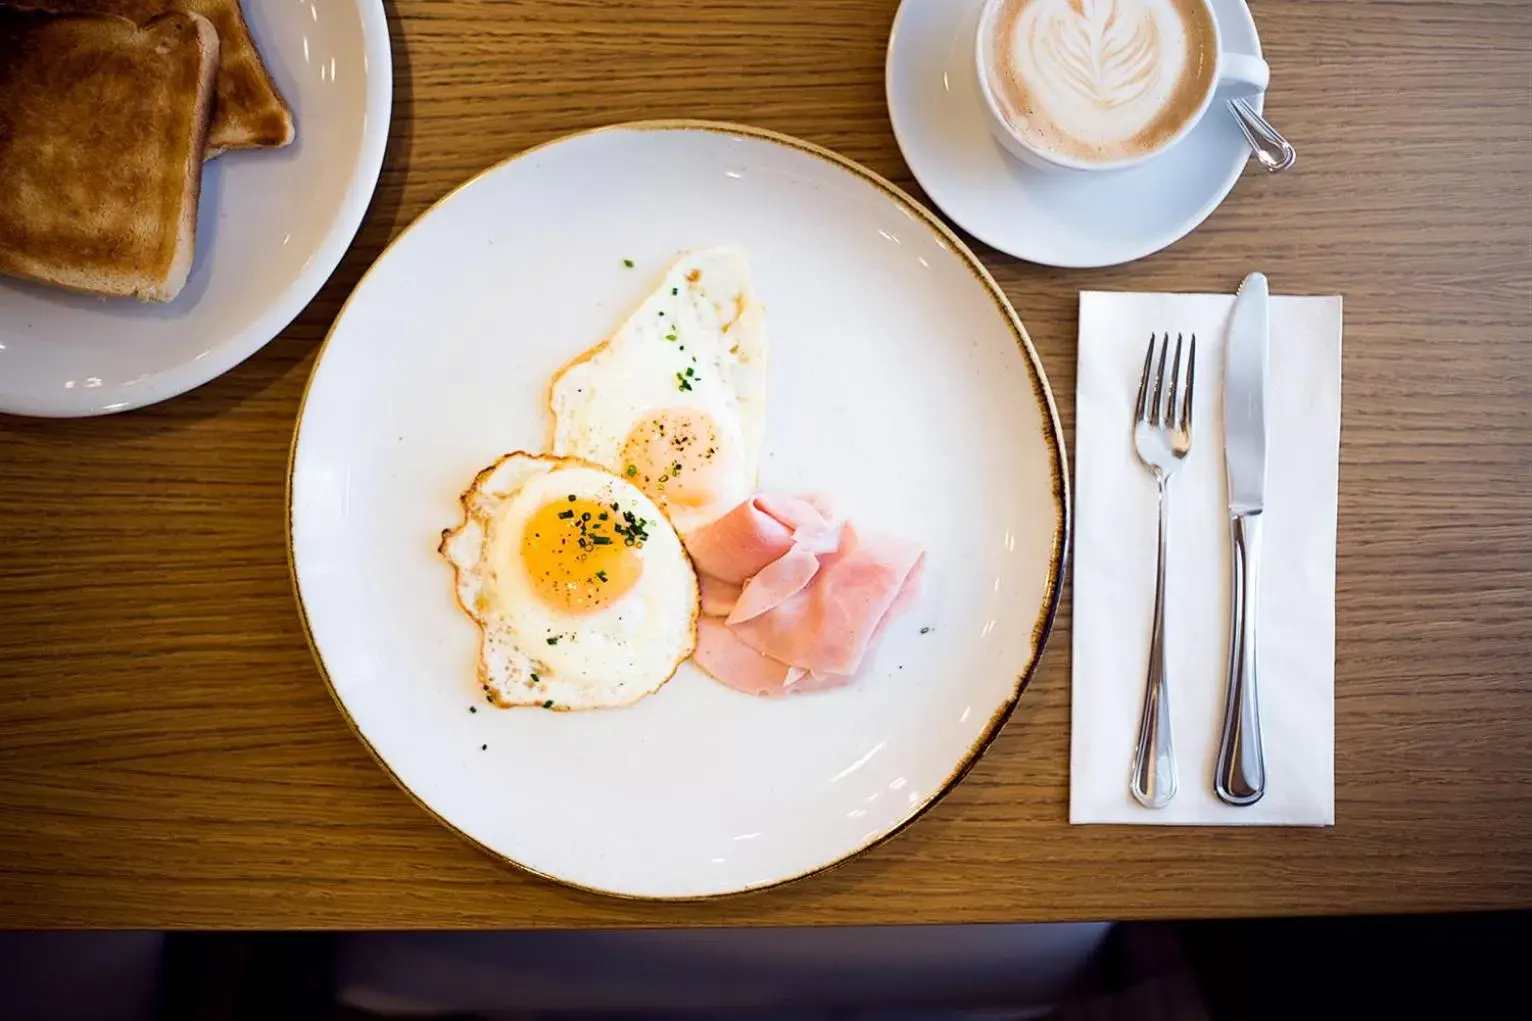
(1154, 780)
(1241, 775)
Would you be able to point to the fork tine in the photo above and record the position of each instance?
(1191, 379)
(1143, 383)
(1159, 385)
(1173, 399)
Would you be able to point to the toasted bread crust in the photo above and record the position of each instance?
(250, 112)
(103, 123)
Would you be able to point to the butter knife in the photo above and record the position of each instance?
(1241, 773)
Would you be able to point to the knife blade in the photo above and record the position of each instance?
(1244, 397)
(1240, 776)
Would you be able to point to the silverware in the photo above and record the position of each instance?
(1241, 774)
(1272, 151)
(1162, 435)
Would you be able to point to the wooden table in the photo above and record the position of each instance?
(169, 757)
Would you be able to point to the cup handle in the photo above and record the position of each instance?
(1243, 73)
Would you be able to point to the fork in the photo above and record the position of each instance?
(1162, 436)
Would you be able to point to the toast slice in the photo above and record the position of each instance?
(250, 113)
(103, 123)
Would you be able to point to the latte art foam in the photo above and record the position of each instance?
(1100, 80)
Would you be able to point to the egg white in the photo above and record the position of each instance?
(707, 303)
(608, 657)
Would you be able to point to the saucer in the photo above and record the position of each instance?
(1076, 220)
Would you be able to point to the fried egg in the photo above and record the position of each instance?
(581, 590)
(675, 400)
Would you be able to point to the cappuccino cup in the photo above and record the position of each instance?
(1092, 85)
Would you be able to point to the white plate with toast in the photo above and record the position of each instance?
(271, 220)
(899, 382)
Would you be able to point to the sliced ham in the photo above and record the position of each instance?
(909, 594)
(816, 527)
(718, 597)
(794, 597)
(828, 626)
(734, 663)
(731, 661)
(760, 530)
(777, 582)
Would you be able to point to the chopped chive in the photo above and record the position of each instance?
(554, 640)
(601, 540)
(566, 514)
(602, 516)
(632, 471)
(601, 576)
(674, 291)
(473, 708)
(483, 747)
(571, 498)
(536, 679)
(628, 263)
(690, 371)
(548, 704)
(670, 336)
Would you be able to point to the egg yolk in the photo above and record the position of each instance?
(676, 456)
(582, 555)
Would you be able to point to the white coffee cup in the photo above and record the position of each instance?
(1243, 74)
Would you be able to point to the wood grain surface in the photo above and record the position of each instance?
(169, 756)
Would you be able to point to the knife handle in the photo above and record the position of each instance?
(1241, 775)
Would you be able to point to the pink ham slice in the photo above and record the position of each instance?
(760, 530)
(828, 625)
(718, 597)
(909, 594)
(731, 661)
(801, 595)
(777, 582)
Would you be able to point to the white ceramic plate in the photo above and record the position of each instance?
(271, 227)
(1073, 220)
(901, 381)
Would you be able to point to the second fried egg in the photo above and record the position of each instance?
(675, 401)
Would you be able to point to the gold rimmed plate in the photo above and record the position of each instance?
(901, 381)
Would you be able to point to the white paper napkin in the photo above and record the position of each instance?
(1114, 555)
